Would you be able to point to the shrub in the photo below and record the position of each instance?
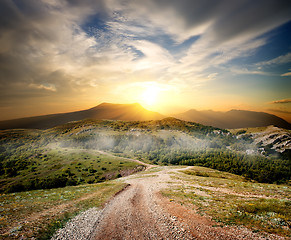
(17, 187)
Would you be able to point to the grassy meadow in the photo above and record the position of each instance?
(50, 168)
(232, 200)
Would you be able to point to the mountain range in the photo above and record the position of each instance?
(233, 119)
(135, 112)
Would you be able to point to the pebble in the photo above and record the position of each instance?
(80, 227)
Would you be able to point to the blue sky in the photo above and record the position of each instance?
(58, 56)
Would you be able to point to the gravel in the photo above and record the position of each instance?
(80, 227)
(132, 214)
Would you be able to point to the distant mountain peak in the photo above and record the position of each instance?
(103, 111)
(233, 119)
(106, 104)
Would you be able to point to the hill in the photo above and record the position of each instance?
(168, 141)
(268, 139)
(108, 111)
(233, 119)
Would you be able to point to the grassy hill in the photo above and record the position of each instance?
(32, 159)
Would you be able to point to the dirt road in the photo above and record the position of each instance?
(135, 213)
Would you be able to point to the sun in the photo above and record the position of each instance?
(150, 95)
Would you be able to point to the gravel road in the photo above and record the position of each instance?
(135, 213)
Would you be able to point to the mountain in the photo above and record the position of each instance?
(233, 119)
(108, 111)
(135, 112)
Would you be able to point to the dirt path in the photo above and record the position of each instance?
(148, 166)
(135, 214)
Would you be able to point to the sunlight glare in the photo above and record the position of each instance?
(150, 95)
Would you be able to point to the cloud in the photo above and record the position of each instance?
(250, 72)
(283, 101)
(222, 20)
(288, 74)
(286, 58)
(48, 87)
(42, 44)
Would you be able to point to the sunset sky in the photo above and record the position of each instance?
(167, 55)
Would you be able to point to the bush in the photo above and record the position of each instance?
(53, 182)
(17, 187)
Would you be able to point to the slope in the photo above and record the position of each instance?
(128, 112)
(234, 119)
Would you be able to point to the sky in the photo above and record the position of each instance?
(167, 55)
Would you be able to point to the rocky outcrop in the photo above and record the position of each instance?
(278, 139)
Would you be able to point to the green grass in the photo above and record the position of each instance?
(46, 168)
(39, 213)
(248, 130)
(207, 172)
(231, 200)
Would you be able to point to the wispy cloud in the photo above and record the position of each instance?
(288, 74)
(282, 101)
(250, 72)
(286, 58)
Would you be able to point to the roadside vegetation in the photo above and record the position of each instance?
(231, 200)
(37, 214)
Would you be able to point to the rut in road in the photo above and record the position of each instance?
(135, 214)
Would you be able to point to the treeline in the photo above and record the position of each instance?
(253, 166)
(256, 167)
